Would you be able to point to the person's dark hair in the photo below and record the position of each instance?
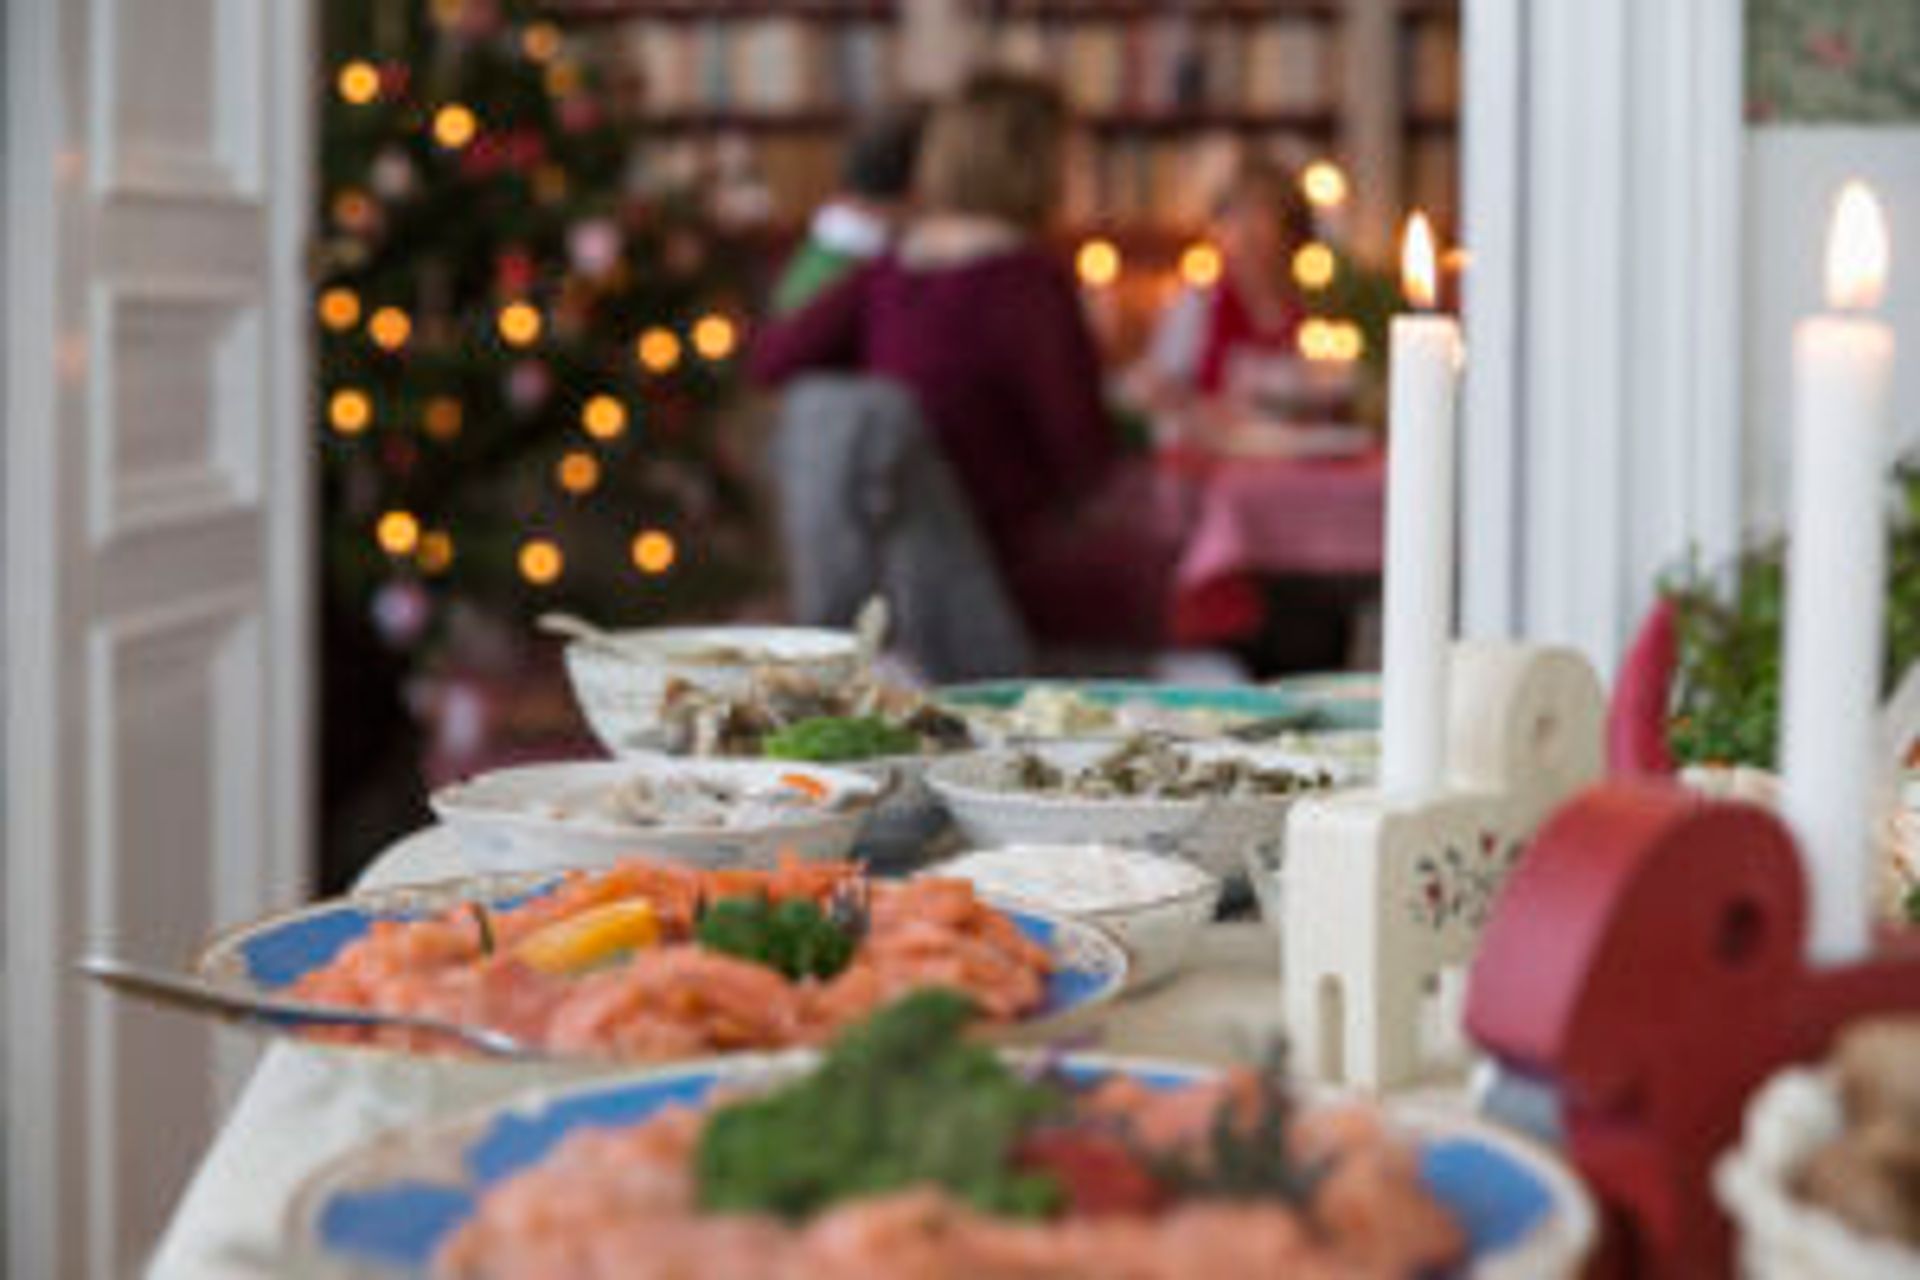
(882, 153)
(1265, 184)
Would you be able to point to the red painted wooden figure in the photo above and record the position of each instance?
(1646, 962)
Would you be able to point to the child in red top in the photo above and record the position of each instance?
(1211, 339)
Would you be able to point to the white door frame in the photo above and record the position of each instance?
(157, 572)
(1603, 165)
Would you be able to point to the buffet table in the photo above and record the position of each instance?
(304, 1106)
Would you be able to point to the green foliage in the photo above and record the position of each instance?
(1726, 697)
(827, 739)
(467, 429)
(795, 937)
(1368, 297)
(901, 1101)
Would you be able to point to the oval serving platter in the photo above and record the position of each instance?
(1339, 701)
(380, 1211)
(1090, 967)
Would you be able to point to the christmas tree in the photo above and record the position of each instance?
(522, 348)
(523, 342)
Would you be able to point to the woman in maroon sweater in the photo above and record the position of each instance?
(985, 327)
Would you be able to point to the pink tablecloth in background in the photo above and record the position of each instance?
(1271, 517)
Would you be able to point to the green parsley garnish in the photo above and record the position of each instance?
(901, 1101)
(795, 937)
(825, 739)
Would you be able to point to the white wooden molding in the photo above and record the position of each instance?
(1492, 442)
(1603, 148)
(157, 569)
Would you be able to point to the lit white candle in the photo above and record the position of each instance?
(1836, 578)
(1424, 364)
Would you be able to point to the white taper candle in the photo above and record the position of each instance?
(1836, 582)
(1424, 370)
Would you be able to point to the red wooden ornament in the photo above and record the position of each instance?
(1647, 961)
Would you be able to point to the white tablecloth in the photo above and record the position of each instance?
(303, 1105)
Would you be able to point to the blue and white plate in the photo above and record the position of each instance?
(1090, 967)
(1339, 701)
(384, 1208)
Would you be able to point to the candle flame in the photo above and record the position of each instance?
(1417, 263)
(1857, 250)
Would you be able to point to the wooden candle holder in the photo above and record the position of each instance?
(1646, 963)
(1386, 893)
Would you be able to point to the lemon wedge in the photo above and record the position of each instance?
(591, 938)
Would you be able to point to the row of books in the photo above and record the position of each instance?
(1153, 68)
(1170, 62)
(761, 66)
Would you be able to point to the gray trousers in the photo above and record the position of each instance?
(868, 504)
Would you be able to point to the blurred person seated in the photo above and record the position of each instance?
(860, 221)
(1229, 351)
(974, 316)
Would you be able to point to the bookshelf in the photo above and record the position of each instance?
(1168, 93)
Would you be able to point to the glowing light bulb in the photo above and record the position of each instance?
(1098, 263)
(339, 308)
(563, 78)
(1314, 339)
(443, 418)
(353, 209)
(541, 562)
(350, 411)
(436, 551)
(1313, 265)
(454, 126)
(1324, 184)
(389, 328)
(519, 324)
(603, 417)
(715, 337)
(398, 533)
(1200, 265)
(540, 41)
(358, 82)
(658, 349)
(1346, 343)
(577, 472)
(654, 552)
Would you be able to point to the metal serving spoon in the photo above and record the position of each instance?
(574, 627)
(267, 1013)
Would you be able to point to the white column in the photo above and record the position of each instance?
(1605, 234)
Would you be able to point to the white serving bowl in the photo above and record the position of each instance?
(493, 817)
(1213, 832)
(1157, 918)
(620, 692)
(1780, 1236)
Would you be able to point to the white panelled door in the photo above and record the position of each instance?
(156, 575)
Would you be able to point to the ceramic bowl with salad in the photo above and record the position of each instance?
(888, 732)
(619, 677)
(1208, 802)
(710, 813)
